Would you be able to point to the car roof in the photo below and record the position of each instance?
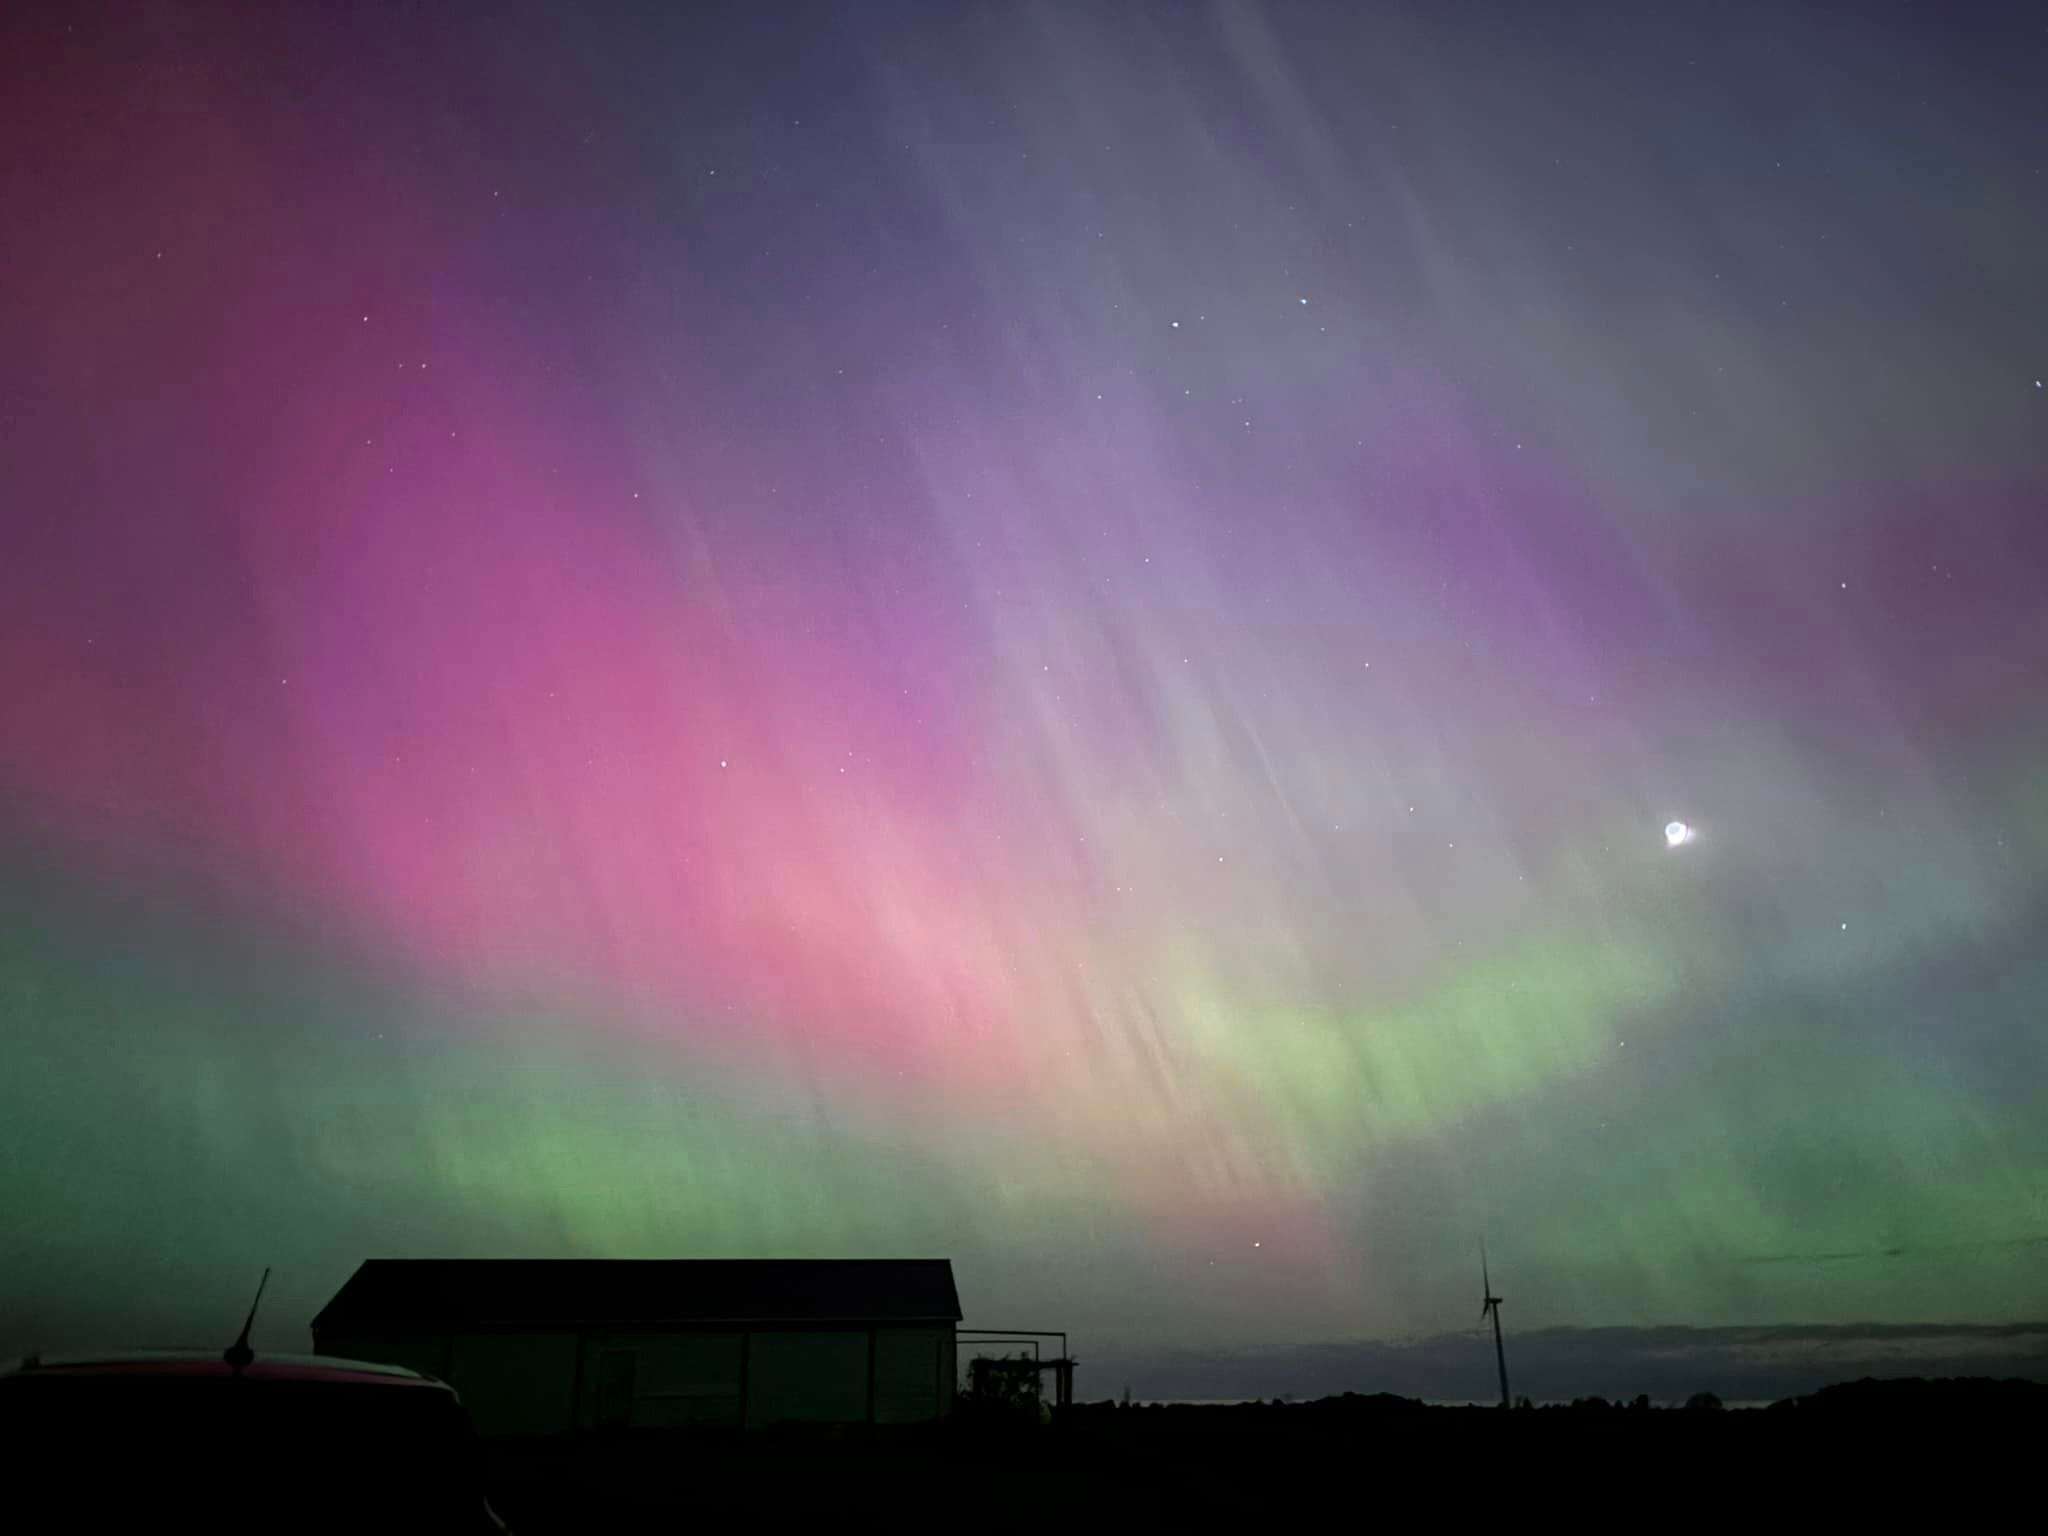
(195, 1363)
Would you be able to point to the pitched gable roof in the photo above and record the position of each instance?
(386, 1293)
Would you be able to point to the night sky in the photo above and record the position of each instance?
(1060, 635)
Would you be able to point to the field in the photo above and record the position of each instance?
(1279, 1461)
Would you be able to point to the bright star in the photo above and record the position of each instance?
(1677, 834)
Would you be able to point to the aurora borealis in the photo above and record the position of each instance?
(1061, 635)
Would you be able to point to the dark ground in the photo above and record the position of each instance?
(1942, 1442)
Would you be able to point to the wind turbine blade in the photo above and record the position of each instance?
(1485, 1279)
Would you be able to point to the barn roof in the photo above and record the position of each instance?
(507, 1292)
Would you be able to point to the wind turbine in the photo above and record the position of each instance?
(1492, 1304)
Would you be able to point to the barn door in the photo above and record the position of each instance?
(615, 1389)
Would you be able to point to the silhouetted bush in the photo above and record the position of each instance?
(1002, 1390)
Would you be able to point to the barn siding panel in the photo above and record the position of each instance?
(813, 1377)
(908, 1362)
(515, 1383)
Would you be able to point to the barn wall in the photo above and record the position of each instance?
(809, 1377)
(910, 1366)
(661, 1380)
(545, 1382)
(516, 1383)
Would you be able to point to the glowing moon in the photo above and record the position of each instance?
(1677, 834)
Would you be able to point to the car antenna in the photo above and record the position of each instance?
(239, 1354)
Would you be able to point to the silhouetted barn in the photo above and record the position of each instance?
(540, 1346)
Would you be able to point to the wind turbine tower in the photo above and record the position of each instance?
(1492, 1305)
